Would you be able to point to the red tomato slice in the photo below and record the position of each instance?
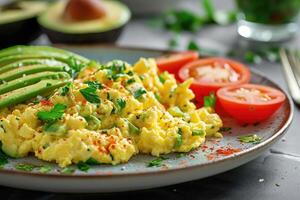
(250, 103)
(211, 74)
(173, 62)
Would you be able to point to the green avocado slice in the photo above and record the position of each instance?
(32, 79)
(29, 92)
(31, 69)
(22, 52)
(22, 63)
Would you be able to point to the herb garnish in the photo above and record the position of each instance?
(45, 169)
(65, 90)
(254, 139)
(25, 167)
(130, 81)
(90, 94)
(94, 84)
(53, 115)
(92, 161)
(210, 101)
(178, 141)
(74, 64)
(157, 162)
(121, 103)
(139, 92)
(198, 133)
(3, 157)
(68, 170)
(82, 166)
(225, 129)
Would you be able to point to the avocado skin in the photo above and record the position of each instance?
(29, 92)
(19, 32)
(110, 36)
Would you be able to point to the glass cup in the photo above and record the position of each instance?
(268, 20)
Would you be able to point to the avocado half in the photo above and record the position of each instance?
(18, 23)
(104, 30)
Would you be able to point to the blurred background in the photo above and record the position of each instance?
(256, 28)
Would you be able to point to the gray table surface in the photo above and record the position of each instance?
(274, 175)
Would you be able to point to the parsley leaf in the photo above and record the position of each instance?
(74, 64)
(3, 157)
(53, 115)
(65, 90)
(121, 103)
(225, 129)
(139, 92)
(198, 133)
(90, 95)
(92, 161)
(157, 162)
(82, 166)
(254, 139)
(68, 170)
(94, 84)
(178, 141)
(45, 169)
(25, 167)
(130, 81)
(210, 101)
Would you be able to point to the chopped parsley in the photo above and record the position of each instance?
(65, 90)
(130, 81)
(121, 103)
(139, 92)
(90, 94)
(94, 84)
(68, 170)
(82, 166)
(25, 167)
(157, 97)
(254, 139)
(3, 157)
(45, 169)
(92, 161)
(53, 115)
(178, 141)
(74, 64)
(225, 129)
(116, 70)
(198, 133)
(161, 78)
(210, 101)
(157, 162)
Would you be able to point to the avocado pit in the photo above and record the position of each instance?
(84, 10)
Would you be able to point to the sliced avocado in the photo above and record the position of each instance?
(29, 92)
(105, 29)
(31, 69)
(32, 79)
(39, 52)
(18, 23)
(22, 63)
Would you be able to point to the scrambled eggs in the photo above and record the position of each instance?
(108, 114)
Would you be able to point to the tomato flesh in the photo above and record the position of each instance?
(211, 74)
(250, 103)
(173, 62)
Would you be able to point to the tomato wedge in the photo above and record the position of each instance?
(211, 74)
(250, 103)
(173, 62)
